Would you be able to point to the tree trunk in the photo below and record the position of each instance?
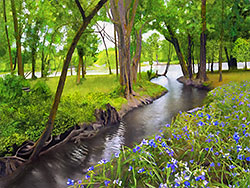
(221, 40)
(33, 54)
(106, 49)
(189, 54)
(50, 123)
(116, 54)
(18, 40)
(84, 67)
(202, 71)
(71, 68)
(228, 59)
(169, 60)
(120, 11)
(7, 37)
(137, 56)
(179, 54)
(79, 70)
(212, 63)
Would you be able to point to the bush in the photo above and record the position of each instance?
(11, 87)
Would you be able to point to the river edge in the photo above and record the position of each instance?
(11, 166)
(197, 83)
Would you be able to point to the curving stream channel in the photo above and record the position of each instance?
(71, 160)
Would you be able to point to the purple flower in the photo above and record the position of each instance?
(106, 182)
(236, 137)
(186, 183)
(70, 182)
(90, 168)
(167, 125)
(130, 168)
(248, 158)
(241, 157)
(141, 170)
(200, 123)
(212, 164)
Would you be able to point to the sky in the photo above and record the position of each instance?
(109, 28)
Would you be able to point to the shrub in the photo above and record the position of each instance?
(11, 87)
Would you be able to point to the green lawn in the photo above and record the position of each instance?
(96, 83)
(228, 76)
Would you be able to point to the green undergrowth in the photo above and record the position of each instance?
(23, 115)
(206, 148)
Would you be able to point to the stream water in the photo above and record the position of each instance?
(71, 160)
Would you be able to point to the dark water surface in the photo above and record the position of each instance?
(70, 161)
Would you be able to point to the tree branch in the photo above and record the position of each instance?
(80, 9)
(133, 13)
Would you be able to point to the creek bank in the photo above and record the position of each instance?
(104, 117)
(197, 83)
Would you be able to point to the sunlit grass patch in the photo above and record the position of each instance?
(228, 76)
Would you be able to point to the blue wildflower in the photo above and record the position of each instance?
(200, 123)
(163, 144)
(90, 168)
(248, 158)
(241, 157)
(106, 182)
(130, 168)
(70, 182)
(212, 164)
(236, 137)
(141, 170)
(186, 183)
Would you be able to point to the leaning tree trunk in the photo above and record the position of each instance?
(179, 54)
(18, 40)
(202, 71)
(7, 36)
(106, 49)
(50, 123)
(169, 60)
(228, 59)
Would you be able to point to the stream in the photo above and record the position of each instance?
(53, 169)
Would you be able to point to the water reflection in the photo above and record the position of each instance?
(72, 160)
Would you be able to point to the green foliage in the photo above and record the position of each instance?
(209, 147)
(102, 59)
(241, 49)
(11, 88)
(42, 89)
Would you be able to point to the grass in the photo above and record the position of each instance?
(96, 83)
(206, 148)
(228, 76)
